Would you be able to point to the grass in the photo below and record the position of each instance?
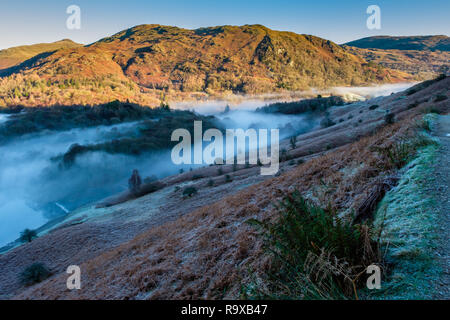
(403, 149)
(409, 217)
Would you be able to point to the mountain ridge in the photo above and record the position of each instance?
(142, 63)
(428, 42)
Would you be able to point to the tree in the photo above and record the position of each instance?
(293, 142)
(389, 117)
(28, 235)
(135, 182)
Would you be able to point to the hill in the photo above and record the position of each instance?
(141, 63)
(422, 56)
(433, 43)
(422, 64)
(13, 56)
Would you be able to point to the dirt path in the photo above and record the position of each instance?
(442, 189)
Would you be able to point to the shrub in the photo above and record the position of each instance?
(327, 122)
(424, 124)
(399, 153)
(220, 171)
(283, 156)
(432, 109)
(189, 192)
(27, 235)
(373, 107)
(389, 118)
(228, 178)
(197, 177)
(293, 142)
(440, 97)
(210, 183)
(413, 105)
(34, 273)
(316, 255)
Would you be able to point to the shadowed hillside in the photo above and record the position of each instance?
(432, 43)
(140, 63)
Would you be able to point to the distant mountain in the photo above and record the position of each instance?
(422, 56)
(142, 63)
(16, 55)
(432, 43)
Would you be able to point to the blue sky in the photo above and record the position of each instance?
(27, 22)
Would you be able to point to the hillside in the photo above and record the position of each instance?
(422, 64)
(140, 63)
(432, 43)
(422, 56)
(166, 246)
(16, 55)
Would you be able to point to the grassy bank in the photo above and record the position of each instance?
(408, 217)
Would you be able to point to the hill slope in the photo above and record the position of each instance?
(16, 55)
(422, 56)
(162, 246)
(422, 64)
(138, 63)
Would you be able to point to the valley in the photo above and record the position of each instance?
(224, 163)
(100, 233)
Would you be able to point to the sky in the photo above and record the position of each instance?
(28, 22)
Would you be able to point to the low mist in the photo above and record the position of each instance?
(35, 188)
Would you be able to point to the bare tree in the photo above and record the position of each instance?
(135, 182)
